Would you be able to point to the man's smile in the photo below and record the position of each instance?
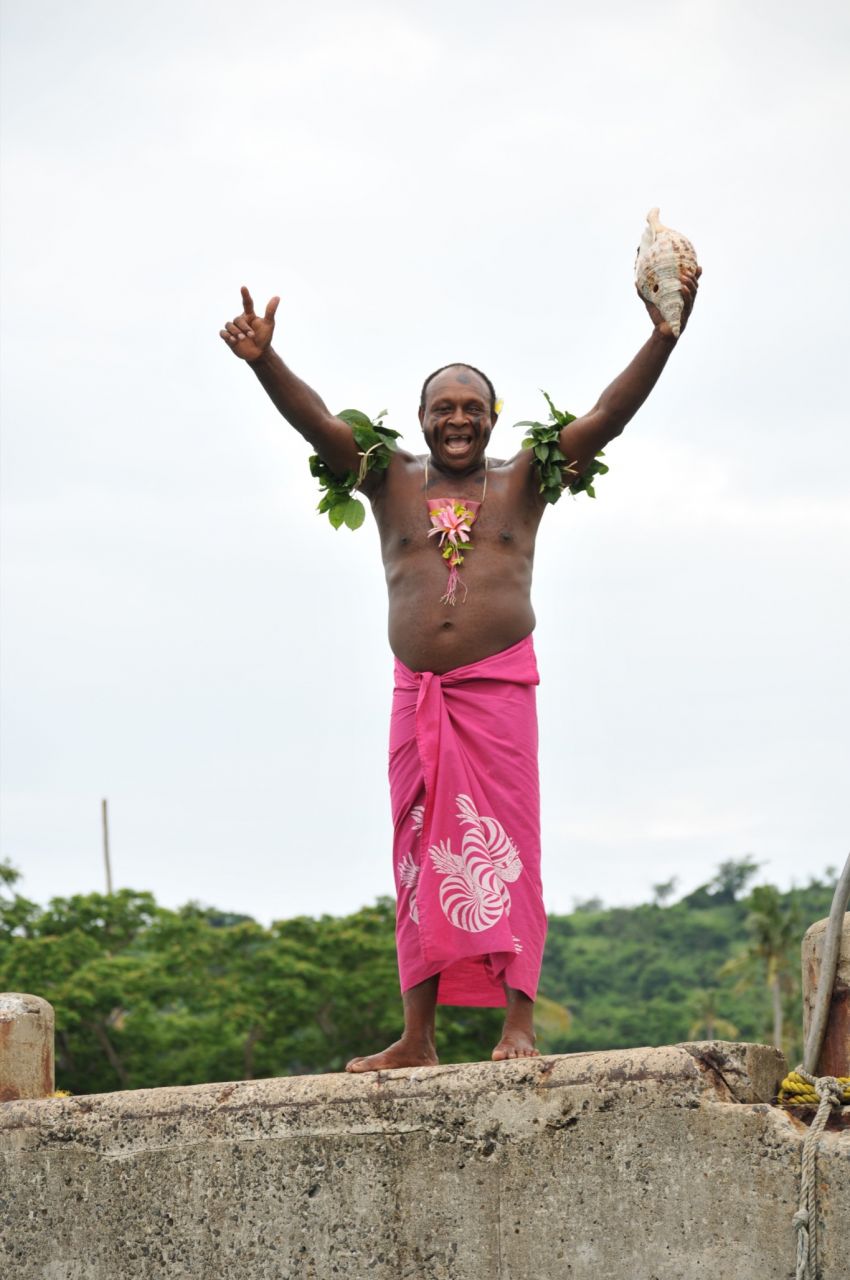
(457, 419)
(457, 442)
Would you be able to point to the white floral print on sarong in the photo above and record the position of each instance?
(474, 892)
(408, 867)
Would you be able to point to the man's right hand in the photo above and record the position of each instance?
(249, 335)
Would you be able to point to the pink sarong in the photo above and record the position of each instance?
(466, 815)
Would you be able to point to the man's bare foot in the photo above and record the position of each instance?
(515, 1044)
(403, 1053)
(518, 1032)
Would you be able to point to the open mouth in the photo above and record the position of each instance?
(457, 443)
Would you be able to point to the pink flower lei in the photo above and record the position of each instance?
(453, 519)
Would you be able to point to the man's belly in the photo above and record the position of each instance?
(429, 636)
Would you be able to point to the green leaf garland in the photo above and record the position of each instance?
(376, 443)
(552, 467)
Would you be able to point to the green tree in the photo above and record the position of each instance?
(773, 929)
(661, 892)
(707, 1023)
(732, 878)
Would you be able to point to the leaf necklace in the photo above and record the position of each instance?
(453, 519)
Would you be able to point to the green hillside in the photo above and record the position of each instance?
(703, 967)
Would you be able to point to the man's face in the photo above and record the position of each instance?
(456, 419)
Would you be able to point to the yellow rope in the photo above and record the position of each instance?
(796, 1092)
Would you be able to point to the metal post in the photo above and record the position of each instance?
(105, 817)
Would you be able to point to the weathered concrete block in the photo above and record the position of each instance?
(26, 1046)
(648, 1164)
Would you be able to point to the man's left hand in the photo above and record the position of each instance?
(690, 285)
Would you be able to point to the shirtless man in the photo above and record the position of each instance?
(457, 415)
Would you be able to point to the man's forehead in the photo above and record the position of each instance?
(459, 377)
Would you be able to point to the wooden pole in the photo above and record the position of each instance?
(105, 817)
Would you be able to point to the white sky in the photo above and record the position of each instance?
(421, 183)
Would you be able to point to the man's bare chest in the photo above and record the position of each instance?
(406, 525)
(506, 515)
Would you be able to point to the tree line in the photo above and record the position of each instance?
(147, 996)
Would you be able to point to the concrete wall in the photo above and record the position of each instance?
(652, 1164)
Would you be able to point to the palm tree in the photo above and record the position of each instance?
(773, 931)
(707, 1024)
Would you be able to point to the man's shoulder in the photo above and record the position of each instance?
(404, 465)
(513, 470)
(402, 473)
(516, 482)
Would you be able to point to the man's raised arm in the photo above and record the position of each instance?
(249, 337)
(618, 404)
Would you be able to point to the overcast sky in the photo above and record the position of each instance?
(183, 634)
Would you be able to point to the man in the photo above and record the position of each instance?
(457, 535)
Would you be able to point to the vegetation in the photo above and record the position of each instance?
(377, 444)
(716, 964)
(147, 996)
(554, 472)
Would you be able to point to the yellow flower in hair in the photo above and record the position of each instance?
(498, 406)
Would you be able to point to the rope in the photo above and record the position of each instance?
(795, 1091)
(830, 1092)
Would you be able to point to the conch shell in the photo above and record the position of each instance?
(661, 255)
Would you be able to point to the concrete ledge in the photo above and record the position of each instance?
(650, 1164)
